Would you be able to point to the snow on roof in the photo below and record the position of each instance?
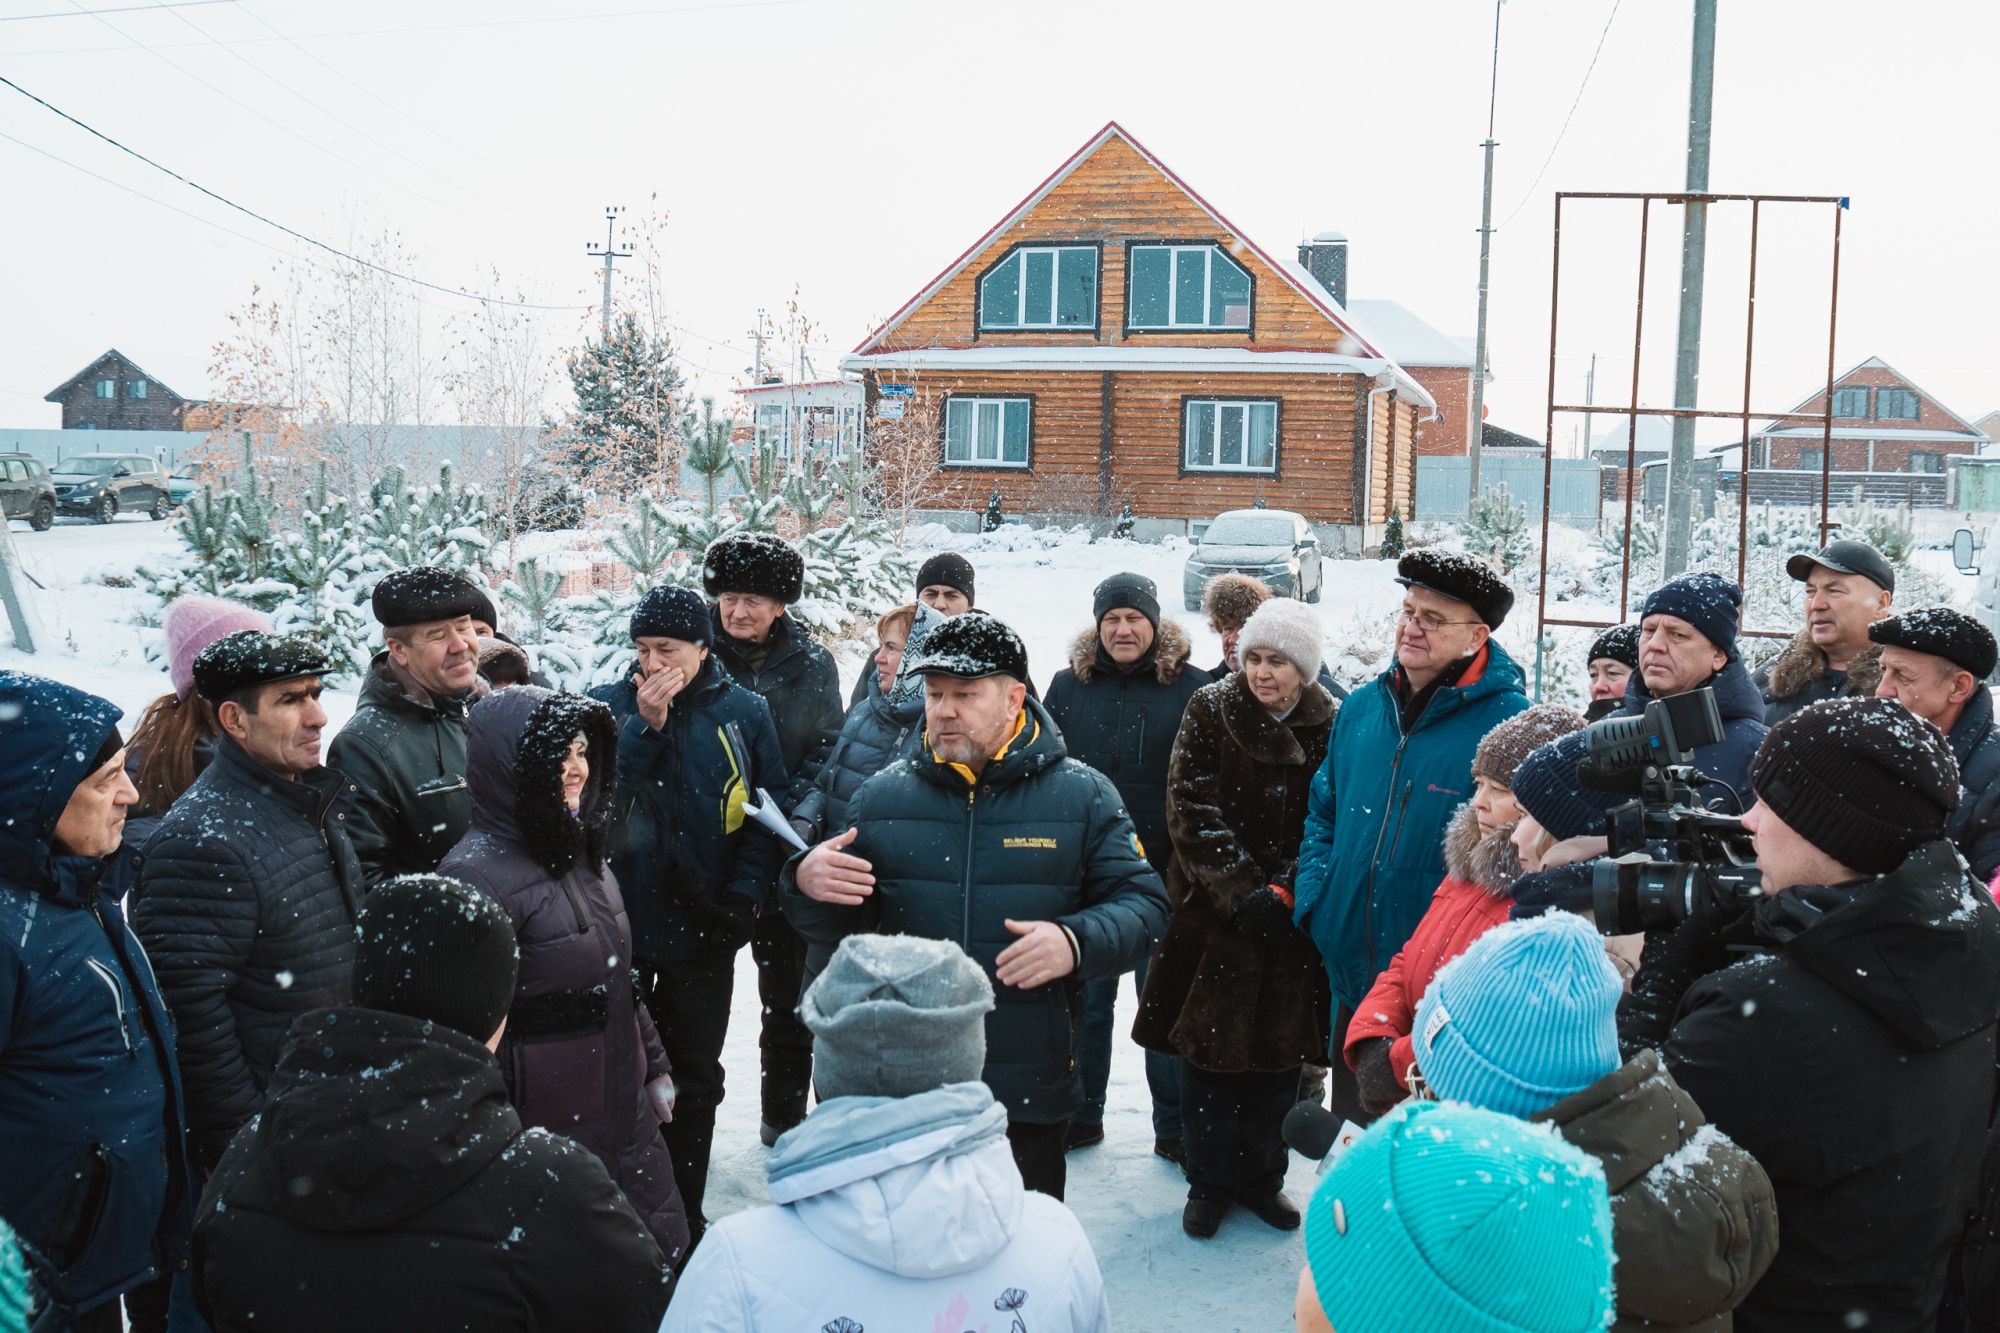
(1398, 331)
(1965, 437)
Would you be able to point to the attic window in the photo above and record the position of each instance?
(1187, 287)
(1895, 405)
(107, 388)
(136, 389)
(1041, 288)
(1851, 404)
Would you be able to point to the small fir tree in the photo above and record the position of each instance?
(628, 408)
(1393, 540)
(1497, 527)
(1123, 527)
(707, 448)
(995, 516)
(444, 525)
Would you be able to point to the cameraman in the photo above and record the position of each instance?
(1852, 1051)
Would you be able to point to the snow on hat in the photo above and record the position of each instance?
(1461, 577)
(948, 569)
(431, 947)
(1282, 625)
(194, 622)
(1502, 749)
(1453, 1219)
(669, 612)
(1620, 643)
(971, 647)
(250, 657)
(762, 564)
(1709, 602)
(420, 594)
(1545, 786)
(896, 1015)
(1133, 591)
(1941, 631)
(1523, 1018)
(1865, 780)
(1230, 600)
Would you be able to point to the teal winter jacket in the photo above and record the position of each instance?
(1373, 852)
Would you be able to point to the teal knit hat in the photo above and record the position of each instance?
(1523, 1018)
(1451, 1219)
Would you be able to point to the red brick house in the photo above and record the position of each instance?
(112, 393)
(1116, 330)
(1882, 422)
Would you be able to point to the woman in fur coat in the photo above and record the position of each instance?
(1236, 989)
(580, 1055)
(1480, 869)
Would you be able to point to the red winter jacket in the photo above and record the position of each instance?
(1472, 900)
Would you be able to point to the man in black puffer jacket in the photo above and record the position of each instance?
(249, 887)
(388, 1184)
(1119, 704)
(1853, 1054)
(753, 577)
(991, 837)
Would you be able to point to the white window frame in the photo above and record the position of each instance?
(975, 404)
(1021, 320)
(107, 388)
(135, 389)
(1218, 414)
(1867, 402)
(1209, 313)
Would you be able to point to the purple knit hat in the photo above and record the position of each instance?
(193, 623)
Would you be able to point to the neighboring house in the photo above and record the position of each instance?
(112, 393)
(1882, 422)
(820, 419)
(1116, 335)
(1436, 360)
(1988, 425)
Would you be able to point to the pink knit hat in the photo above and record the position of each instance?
(193, 623)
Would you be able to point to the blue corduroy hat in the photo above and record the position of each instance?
(1545, 786)
(1523, 1018)
(1451, 1219)
(1709, 602)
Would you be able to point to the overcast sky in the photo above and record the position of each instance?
(850, 150)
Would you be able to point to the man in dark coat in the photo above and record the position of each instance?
(248, 888)
(693, 748)
(1853, 1054)
(1935, 661)
(388, 1184)
(404, 748)
(1119, 704)
(1849, 585)
(93, 1170)
(990, 836)
(753, 577)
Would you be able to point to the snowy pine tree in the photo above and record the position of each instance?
(1123, 527)
(1393, 540)
(709, 453)
(995, 516)
(444, 525)
(320, 567)
(1497, 527)
(628, 405)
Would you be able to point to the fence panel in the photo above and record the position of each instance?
(1442, 489)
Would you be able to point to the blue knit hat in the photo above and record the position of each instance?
(1709, 602)
(1545, 786)
(669, 612)
(1523, 1018)
(1451, 1219)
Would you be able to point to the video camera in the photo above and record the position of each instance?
(1650, 757)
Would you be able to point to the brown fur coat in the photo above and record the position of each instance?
(1236, 809)
(1803, 662)
(1171, 649)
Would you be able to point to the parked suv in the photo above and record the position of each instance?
(26, 491)
(1275, 546)
(103, 486)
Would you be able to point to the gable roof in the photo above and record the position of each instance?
(55, 395)
(1289, 270)
(1877, 363)
(1401, 333)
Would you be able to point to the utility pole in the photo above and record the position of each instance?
(757, 335)
(1694, 253)
(609, 252)
(1477, 437)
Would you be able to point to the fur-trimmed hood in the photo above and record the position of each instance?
(1170, 651)
(1803, 662)
(516, 740)
(1489, 861)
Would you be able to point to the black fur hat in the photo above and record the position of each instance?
(1461, 577)
(760, 563)
(419, 594)
(1943, 632)
(552, 835)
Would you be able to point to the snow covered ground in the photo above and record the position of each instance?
(1128, 1200)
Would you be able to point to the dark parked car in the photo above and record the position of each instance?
(26, 491)
(103, 486)
(1274, 546)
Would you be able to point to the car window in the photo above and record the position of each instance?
(142, 465)
(88, 466)
(1248, 531)
(16, 470)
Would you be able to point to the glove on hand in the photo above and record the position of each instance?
(1262, 916)
(729, 920)
(1377, 1076)
(807, 830)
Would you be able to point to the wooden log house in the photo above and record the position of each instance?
(1116, 329)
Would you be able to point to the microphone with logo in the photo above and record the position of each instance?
(1314, 1132)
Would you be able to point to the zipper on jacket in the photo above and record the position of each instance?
(1375, 861)
(103, 974)
(1402, 818)
(965, 920)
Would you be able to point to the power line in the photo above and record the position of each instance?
(1571, 116)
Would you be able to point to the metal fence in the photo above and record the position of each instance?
(1442, 485)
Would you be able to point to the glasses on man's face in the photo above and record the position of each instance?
(1429, 622)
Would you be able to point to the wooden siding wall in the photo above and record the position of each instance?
(1316, 421)
(1112, 197)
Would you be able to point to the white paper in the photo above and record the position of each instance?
(768, 815)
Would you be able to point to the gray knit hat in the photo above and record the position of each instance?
(1288, 627)
(896, 1015)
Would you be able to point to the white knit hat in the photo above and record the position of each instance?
(1285, 626)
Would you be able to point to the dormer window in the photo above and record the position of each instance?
(107, 388)
(1041, 287)
(135, 389)
(1895, 405)
(1187, 287)
(1851, 403)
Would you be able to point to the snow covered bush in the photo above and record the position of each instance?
(1497, 528)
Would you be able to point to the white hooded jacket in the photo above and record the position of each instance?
(895, 1214)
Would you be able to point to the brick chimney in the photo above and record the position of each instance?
(1325, 257)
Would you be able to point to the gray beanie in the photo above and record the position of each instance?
(896, 1015)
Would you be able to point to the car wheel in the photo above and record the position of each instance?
(163, 506)
(1193, 603)
(44, 516)
(107, 508)
(1318, 587)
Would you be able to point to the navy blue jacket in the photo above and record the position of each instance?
(679, 809)
(93, 1169)
(875, 734)
(1975, 825)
